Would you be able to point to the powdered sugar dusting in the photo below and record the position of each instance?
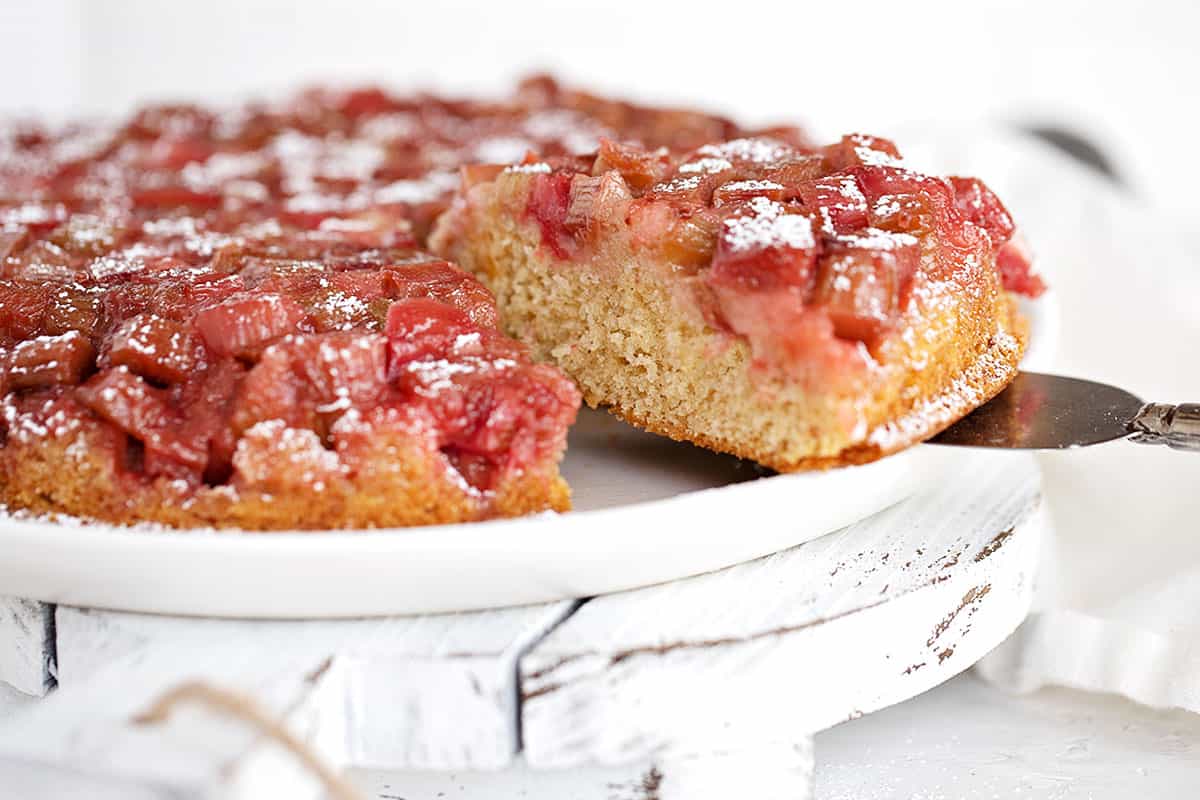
(528, 168)
(706, 166)
(878, 239)
(752, 186)
(767, 225)
(761, 150)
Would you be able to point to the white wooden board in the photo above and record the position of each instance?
(708, 687)
(26, 645)
(796, 642)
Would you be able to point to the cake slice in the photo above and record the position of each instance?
(800, 307)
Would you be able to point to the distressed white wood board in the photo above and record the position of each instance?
(725, 674)
(794, 643)
(27, 642)
(652, 510)
(433, 693)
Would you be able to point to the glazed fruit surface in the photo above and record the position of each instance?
(809, 253)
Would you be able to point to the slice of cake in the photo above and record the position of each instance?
(800, 307)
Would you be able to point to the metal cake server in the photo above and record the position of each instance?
(1050, 412)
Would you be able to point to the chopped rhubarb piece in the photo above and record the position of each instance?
(981, 207)
(310, 380)
(154, 347)
(73, 307)
(839, 203)
(763, 246)
(143, 412)
(177, 152)
(741, 191)
(179, 299)
(595, 201)
(174, 196)
(11, 243)
(639, 168)
(1015, 262)
(798, 170)
(49, 361)
(860, 291)
(22, 309)
(361, 102)
(476, 468)
(786, 335)
(912, 202)
(682, 234)
(549, 199)
(420, 329)
(442, 281)
(475, 174)
(242, 325)
(340, 369)
(858, 149)
(87, 235)
(208, 395)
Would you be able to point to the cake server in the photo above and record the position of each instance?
(1050, 412)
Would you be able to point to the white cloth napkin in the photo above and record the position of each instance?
(1118, 608)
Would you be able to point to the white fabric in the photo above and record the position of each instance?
(1119, 599)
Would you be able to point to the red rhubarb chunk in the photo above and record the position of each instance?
(22, 309)
(640, 168)
(49, 361)
(361, 102)
(549, 199)
(859, 149)
(340, 369)
(764, 247)
(208, 397)
(839, 203)
(142, 411)
(440, 280)
(154, 347)
(174, 196)
(1015, 262)
(242, 325)
(980, 206)
(175, 153)
(860, 290)
(11, 243)
(421, 329)
(73, 307)
(684, 234)
(741, 191)
(310, 380)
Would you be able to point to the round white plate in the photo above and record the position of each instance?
(647, 510)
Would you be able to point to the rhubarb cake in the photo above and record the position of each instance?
(802, 307)
(232, 318)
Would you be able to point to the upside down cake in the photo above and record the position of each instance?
(802, 307)
(233, 319)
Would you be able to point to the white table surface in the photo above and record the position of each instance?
(962, 741)
(968, 740)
